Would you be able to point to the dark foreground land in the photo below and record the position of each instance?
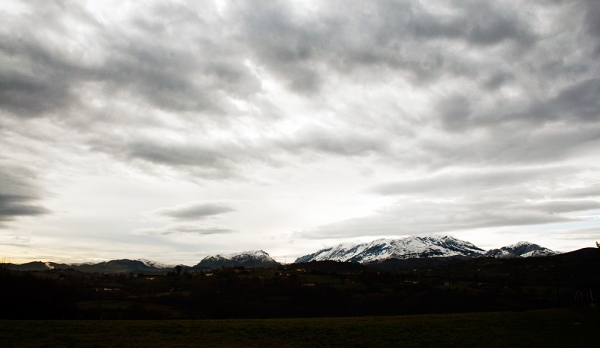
(534, 302)
(319, 289)
(543, 328)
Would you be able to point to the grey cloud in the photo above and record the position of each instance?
(587, 191)
(283, 45)
(515, 144)
(30, 96)
(187, 217)
(18, 195)
(192, 62)
(575, 102)
(338, 142)
(182, 229)
(556, 207)
(592, 24)
(209, 161)
(194, 210)
(176, 155)
(12, 205)
(579, 101)
(426, 216)
(472, 181)
(476, 22)
(423, 217)
(393, 34)
(473, 200)
(141, 62)
(591, 234)
(222, 159)
(455, 112)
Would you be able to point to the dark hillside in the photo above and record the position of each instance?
(313, 289)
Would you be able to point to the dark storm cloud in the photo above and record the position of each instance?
(194, 211)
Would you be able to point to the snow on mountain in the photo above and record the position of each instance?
(155, 264)
(405, 248)
(250, 259)
(520, 249)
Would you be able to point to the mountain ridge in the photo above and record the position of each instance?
(520, 249)
(432, 247)
(403, 248)
(248, 259)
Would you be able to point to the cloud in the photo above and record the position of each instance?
(343, 142)
(471, 115)
(18, 195)
(427, 216)
(193, 211)
(482, 199)
(18, 241)
(198, 65)
(148, 58)
(188, 218)
(11, 205)
(477, 181)
(181, 229)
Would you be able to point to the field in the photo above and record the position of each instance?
(544, 328)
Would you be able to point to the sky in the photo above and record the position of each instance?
(173, 130)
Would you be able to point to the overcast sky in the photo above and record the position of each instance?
(173, 130)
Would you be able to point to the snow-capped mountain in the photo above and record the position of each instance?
(155, 264)
(249, 259)
(521, 249)
(405, 248)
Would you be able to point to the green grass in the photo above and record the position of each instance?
(548, 328)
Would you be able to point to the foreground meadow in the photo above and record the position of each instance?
(545, 328)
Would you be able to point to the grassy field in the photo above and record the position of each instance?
(548, 328)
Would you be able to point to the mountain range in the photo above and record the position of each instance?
(418, 247)
(420, 250)
(405, 248)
